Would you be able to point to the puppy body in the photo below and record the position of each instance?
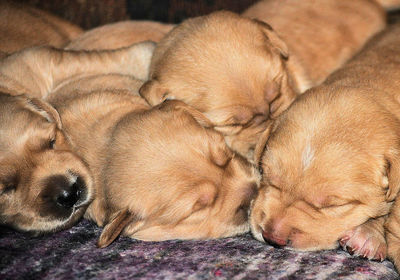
(120, 34)
(159, 173)
(331, 162)
(320, 35)
(22, 26)
(239, 72)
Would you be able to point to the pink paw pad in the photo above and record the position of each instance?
(364, 243)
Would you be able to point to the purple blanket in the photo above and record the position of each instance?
(72, 254)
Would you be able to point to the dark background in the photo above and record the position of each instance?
(92, 13)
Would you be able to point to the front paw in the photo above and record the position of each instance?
(366, 242)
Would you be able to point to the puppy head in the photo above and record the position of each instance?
(330, 164)
(43, 186)
(176, 178)
(229, 67)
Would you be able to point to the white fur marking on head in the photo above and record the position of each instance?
(307, 156)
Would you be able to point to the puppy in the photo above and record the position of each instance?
(159, 173)
(331, 162)
(44, 185)
(22, 26)
(120, 34)
(239, 72)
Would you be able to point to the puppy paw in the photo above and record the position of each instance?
(365, 241)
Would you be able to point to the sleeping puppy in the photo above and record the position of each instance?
(331, 162)
(159, 173)
(120, 34)
(22, 26)
(44, 185)
(239, 72)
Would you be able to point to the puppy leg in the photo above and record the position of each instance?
(392, 227)
(367, 240)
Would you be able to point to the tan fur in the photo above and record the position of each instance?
(331, 162)
(120, 34)
(35, 174)
(159, 173)
(240, 72)
(22, 26)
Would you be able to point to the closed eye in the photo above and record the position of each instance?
(52, 143)
(9, 184)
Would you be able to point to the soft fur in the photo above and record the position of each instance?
(120, 34)
(22, 26)
(44, 185)
(331, 162)
(159, 173)
(241, 72)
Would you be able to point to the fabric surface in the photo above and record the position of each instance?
(72, 254)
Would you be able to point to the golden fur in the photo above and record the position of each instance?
(22, 26)
(240, 72)
(331, 162)
(159, 173)
(120, 34)
(44, 185)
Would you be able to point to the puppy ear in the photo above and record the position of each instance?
(114, 228)
(275, 40)
(153, 92)
(393, 175)
(182, 106)
(45, 109)
(261, 143)
(284, 97)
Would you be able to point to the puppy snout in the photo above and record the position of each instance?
(275, 241)
(67, 191)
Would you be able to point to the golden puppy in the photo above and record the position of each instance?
(159, 173)
(22, 26)
(44, 186)
(331, 162)
(120, 34)
(239, 72)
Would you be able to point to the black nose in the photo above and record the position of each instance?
(66, 192)
(71, 194)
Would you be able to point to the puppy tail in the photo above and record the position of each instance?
(114, 228)
(389, 5)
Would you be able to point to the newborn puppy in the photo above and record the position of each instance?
(159, 173)
(239, 72)
(22, 26)
(331, 162)
(120, 34)
(44, 185)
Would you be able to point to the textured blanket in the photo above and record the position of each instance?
(72, 254)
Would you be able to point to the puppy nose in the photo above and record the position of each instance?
(65, 192)
(273, 240)
(68, 198)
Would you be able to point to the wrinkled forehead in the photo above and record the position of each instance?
(323, 167)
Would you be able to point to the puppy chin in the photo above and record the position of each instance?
(298, 245)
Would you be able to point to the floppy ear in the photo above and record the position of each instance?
(275, 40)
(45, 109)
(153, 92)
(393, 174)
(178, 105)
(261, 143)
(114, 228)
